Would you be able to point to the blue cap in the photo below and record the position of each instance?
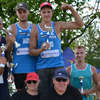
(60, 73)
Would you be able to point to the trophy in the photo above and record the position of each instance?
(49, 29)
(10, 34)
(11, 71)
(3, 48)
(81, 84)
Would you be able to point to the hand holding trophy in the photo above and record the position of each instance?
(10, 80)
(46, 46)
(10, 73)
(3, 48)
(2, 61)
(10, 34)
(47, 43)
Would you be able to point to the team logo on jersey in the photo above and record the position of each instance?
(41, 33)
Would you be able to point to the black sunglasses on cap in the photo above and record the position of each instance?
(61, 80)
(31, 81)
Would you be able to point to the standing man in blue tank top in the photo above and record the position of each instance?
(46, 44)
(24, 63)
(82, 75)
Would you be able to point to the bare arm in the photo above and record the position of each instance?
(1, 70)
(96, 89)
(98, 84)
(3, 61)
(9, 44)
(34, 51)
(93, 90)
(78, 23)
(95, 80)
(98, 94)
(10, 39)
(68, 69)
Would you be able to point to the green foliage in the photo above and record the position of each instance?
(89, 35)
(98, 14)
(8, 13)
(69, 37)
(91, 40)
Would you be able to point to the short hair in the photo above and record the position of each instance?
(79, 47)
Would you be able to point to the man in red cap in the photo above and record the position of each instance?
(31, 92)
(46, 44)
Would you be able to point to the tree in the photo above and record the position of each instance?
(69, 37)
(89, 35)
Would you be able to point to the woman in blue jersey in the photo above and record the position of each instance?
(46, 43)
(82, 74)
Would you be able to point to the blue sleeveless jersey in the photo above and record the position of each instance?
(87, 78)
(24, 63)
(51, 57)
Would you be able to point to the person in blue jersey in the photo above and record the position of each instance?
(4, 91)
(45, 42)
(82, 75)
(20, 33)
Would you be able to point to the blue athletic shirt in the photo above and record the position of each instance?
(51, 57)
(87, 78)
(24, 63)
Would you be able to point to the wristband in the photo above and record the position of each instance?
(2, 65)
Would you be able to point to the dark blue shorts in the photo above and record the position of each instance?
(4, 92)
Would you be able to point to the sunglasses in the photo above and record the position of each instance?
(31, 81)
(61, 80)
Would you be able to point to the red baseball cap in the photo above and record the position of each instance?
(45, 4)
(32, 76)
